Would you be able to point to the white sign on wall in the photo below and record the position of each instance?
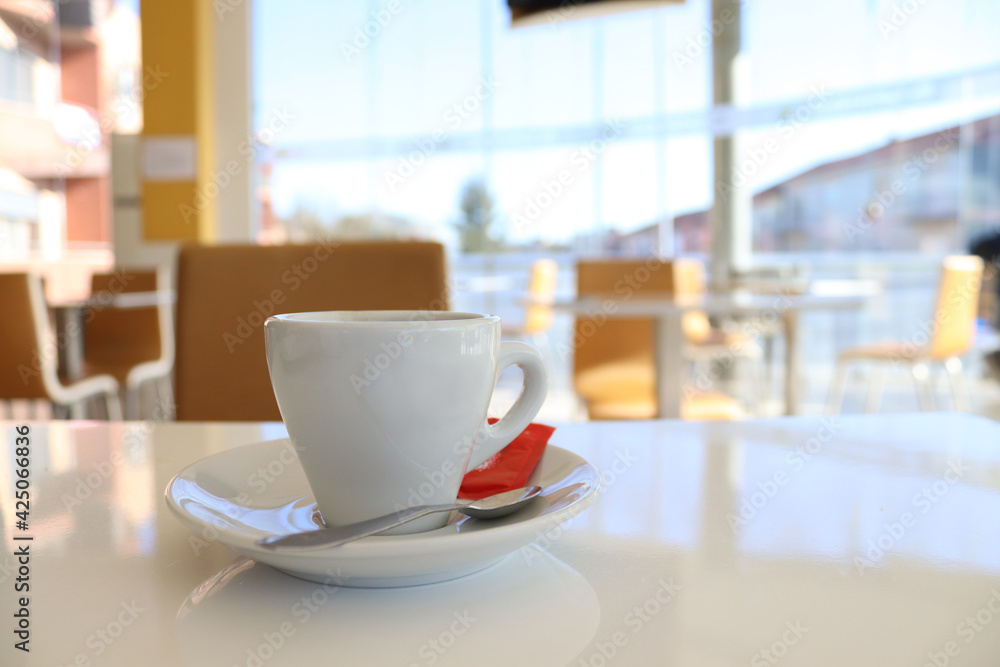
(170, 158)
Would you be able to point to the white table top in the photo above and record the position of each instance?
(728, 303)
(858, 544)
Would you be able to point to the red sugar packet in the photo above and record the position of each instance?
(509, 468)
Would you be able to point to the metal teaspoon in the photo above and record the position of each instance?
(491, 507)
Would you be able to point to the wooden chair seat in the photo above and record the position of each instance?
(884, 351)
(119, 371)
(627, 390)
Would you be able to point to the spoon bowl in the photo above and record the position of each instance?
(502, 504)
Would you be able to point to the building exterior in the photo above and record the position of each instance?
(66, 72)
(931, 193)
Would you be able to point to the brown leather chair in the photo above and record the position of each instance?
(135, 344)
(224, 294)
(29, 367)
(614, 364)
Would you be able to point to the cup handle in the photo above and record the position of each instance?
(494, 437)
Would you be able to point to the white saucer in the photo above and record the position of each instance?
(242, 494)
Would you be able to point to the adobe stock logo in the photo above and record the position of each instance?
(454, 117)
(582, 159)
(373, 27)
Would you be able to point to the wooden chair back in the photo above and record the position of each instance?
(119, 338)
(27, 355)
(689, 277)
(954, 325)
(599, 340)
(538, 316)
(224, 294)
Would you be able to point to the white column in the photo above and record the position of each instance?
(236, 209)
(730, 216)
(51, 224)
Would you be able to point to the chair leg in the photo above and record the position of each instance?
(925, 392)
(727, 375)
(132, 402)
(78, 410)
(956, 380)
(113, 405)
(837, 388)
(769, 359)
(876, 382)
(164, 399)
(758, 388)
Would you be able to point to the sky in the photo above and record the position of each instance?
(380, 118)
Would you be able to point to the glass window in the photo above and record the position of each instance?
(820, 134)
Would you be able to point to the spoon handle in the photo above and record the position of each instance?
(334, 536)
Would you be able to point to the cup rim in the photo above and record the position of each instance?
(382, 318)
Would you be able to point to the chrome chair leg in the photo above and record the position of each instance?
(758, 388)
(113, 406)
(925, 393)
(769, 359)
(956, 380)
(164, 399)
(876, 383)
(133, 401)
(838, 386)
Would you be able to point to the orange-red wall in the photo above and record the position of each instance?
(88, 209)
(80, 81)
(88, 206)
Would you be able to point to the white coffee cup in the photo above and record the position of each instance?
(384, 407)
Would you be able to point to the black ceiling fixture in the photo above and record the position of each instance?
(540, 12)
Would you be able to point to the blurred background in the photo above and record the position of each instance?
(837, 143)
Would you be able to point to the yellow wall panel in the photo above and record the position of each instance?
(205, 119)
(177, 39)
(165, 206)
(168, 45)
